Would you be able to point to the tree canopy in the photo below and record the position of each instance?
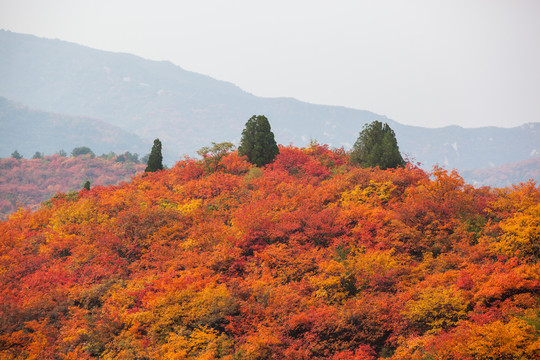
(212, 155)
(38, 155)
(155, 160)
(377, 146)
(83, 150)
(16, 155)
(258, 142)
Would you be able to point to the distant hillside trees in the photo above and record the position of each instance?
(16, 155)
(28, 182)
(83, 150)
(38, 155)
(377, 146)
(258, 142)
(155, 160)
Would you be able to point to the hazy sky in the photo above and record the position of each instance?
(420, 62)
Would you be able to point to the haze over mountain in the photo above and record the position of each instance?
(29, 131)
(504, 175)
(188, 111)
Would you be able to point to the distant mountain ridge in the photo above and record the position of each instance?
(28, 131)
(467, 149)
(188, 110)
(505, 175)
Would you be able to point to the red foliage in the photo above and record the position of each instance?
(27, 183)
(306, 258)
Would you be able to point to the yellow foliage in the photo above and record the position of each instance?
(202, 343)
(365, 264)
(374, 191)
(521, 233)
(178, 309)
(373, 262)
(437, 308)
(186, 208)
(497, 340)
(79, 212)
(334, 283)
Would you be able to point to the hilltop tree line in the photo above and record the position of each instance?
(21, 185)
(375, 146)
(85, 150)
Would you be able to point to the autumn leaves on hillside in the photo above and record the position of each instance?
(308, 257)
(29, 182)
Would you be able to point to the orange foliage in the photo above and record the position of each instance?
(306, 258)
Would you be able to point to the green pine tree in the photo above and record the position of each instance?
(258, 142)
(377, 146)
(16, 155)
(155, 160)
(83, 150)
(37, 155)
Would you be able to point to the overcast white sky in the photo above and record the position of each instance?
(420, 62)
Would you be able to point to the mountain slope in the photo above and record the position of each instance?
(28, 131)
(188, 110)
(465, 149)
(505, 175)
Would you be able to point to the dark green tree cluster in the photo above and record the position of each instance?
(377, 146)
(16, 155)
(155, 160)
(258, 142)
(38, 155)
(83, 150)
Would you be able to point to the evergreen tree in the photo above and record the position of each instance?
(155, 160)
(37, 155)
(377, 146)
(83, 150)
(86, 185)
(258, 142)
(16, 155)
(131, 157)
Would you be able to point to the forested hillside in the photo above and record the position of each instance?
(308, 257)
(28, 182)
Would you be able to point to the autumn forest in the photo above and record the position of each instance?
(29, 182)
(308, 257)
